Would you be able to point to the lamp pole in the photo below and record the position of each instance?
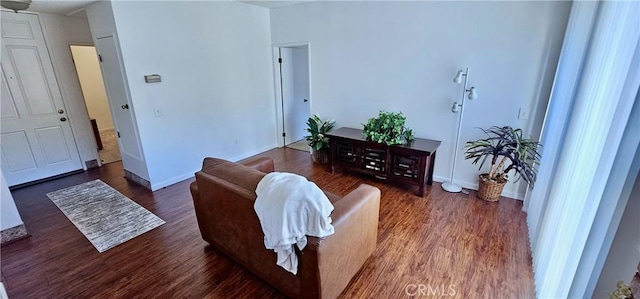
(450, 186)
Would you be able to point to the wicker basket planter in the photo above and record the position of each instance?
(490, 190)
(320, 156)
(509, 151)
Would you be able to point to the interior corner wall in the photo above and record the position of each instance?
(402, 56)
(59, 32)
(92, 85)
(9, 216)
(216, 94)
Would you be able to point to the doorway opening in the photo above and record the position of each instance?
(293, 92)
(95, 97)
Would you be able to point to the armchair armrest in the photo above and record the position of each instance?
(340, 256)
(195, 193)
(263, 164)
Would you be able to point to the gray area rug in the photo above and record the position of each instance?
(105, 216)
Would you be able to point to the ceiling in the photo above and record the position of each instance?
(74, 8)
(272, 4)
(60, 7)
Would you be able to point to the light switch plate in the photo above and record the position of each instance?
(155, 78)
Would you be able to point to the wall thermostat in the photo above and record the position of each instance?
(152, 78)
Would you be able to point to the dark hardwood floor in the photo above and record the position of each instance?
(454, 244)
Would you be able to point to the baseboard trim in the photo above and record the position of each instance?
(253, 153)
(190, 174)
(132, 177)
(91, 164)
(13, 234)
(27, 184)
(474, 186)
(173, 180)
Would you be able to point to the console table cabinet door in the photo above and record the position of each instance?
(406, 167)
(346, 154)
(374, 161)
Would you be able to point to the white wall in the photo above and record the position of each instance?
(216, 94)
(9, 216)
(102, 24)
(59, 33)
(95, 97)
(624, 255)
(402, 56)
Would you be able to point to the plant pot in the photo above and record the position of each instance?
(320, 156)
(488, 189)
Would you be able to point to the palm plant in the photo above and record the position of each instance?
(502, 145)
(318, 129)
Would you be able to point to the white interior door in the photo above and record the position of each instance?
(36, 138)
(295, 92)
(121, 108)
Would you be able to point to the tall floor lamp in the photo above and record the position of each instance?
(459, 107)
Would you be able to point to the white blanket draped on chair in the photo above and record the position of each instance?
(290, 208)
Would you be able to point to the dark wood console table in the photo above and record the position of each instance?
(410, 164)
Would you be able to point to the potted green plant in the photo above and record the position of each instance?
(623, 291)
(388, 128)
(508, 151)
(318, 140)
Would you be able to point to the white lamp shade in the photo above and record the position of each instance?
(472, 93)
(455, 108)
(458, 78)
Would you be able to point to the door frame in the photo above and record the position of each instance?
(86, 118)
(277, 87)
(84, 101)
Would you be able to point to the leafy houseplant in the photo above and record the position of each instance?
(508, 151)
(623, 291)
(388, 128)
(318, 140)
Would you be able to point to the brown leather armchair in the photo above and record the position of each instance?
(223, 196)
